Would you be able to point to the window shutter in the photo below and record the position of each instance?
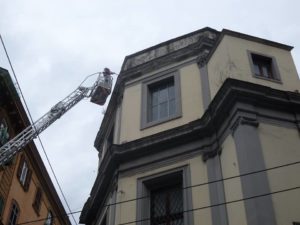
(20, 166)
(28, 179)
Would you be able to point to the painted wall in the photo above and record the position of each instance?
(26, 199)
(282, 146)
(232, 187)
(191, 100)
(127, 189)
(231, 60)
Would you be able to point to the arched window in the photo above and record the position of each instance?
(14, 213)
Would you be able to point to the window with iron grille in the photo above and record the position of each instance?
(163, 198)
(167, 206)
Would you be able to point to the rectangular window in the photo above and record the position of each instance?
(264, 67)
(163, 198)
(37, 200)
(161, 100)
(24, 173)
(167, 205)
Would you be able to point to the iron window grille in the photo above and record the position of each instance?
(167, 206)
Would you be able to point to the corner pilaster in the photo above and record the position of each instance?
(259, 210)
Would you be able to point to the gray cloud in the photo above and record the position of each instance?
(54, 44)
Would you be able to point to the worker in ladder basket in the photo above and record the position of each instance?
(104, 88)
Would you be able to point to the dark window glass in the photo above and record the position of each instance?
(1, 205)
(167, 206)
(37, 200)
(13, 215)
(262, 66)
(162, 100)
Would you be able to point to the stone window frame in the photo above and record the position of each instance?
(157, 79)
(275, 71)
(144, 188)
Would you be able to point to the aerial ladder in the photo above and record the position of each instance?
(98, 93)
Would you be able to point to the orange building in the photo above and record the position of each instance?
(26, 191)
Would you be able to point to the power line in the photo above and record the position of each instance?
(197, 185)
(185, 211)
(45, 218)
(31, 120)
(211, 182)
(219, 204)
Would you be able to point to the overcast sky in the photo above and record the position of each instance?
(54, 44)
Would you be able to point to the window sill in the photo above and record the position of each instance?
(158, 122)
(268, 79)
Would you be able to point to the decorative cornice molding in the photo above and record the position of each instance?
(211, 153)
(243, 120)
(201, 132)
(202, 58)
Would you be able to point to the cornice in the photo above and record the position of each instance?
(201, 49)
(229, 96)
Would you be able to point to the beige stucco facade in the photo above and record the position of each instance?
(274, 140)
(236, 142)
(281, 147)
(26, 199)
(231, 60)
(191, 99)
(127, 190)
